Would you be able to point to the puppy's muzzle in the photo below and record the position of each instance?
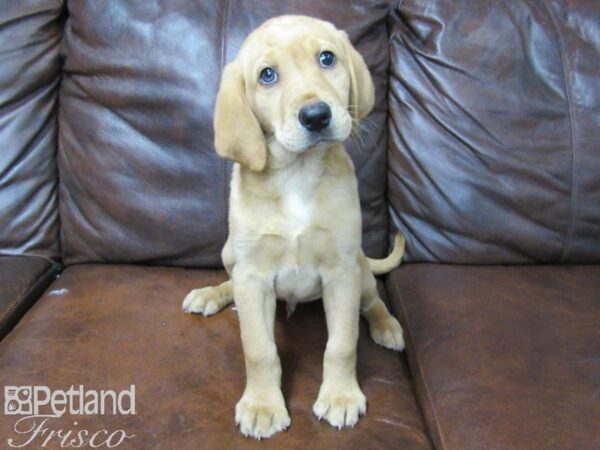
(315, 117)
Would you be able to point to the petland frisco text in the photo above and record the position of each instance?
(39, 406)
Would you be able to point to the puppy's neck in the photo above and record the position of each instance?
(287, 171)
(281, 159)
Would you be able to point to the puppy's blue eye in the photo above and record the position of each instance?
(268, 76)
(326, 59)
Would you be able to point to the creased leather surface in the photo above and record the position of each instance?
(504, 357)
(494, 130)
(22, 281)
(578, 28)
(113, 326)
(30, 35)
(140, 180)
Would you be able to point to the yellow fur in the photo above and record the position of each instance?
(295, 222)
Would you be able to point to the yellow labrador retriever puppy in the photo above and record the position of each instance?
(285, 105)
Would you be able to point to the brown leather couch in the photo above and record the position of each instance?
(483, 148)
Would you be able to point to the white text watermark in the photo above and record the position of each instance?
(39, 406)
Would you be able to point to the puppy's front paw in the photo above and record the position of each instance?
(341, 406)
(205, 301)
(388, 333)
(261, 416)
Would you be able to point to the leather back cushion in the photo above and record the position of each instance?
(495, 130)
(139, 178)
(30, 34)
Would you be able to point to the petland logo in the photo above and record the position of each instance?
(39, 405)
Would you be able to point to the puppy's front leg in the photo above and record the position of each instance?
(340, 399)
(261, 411)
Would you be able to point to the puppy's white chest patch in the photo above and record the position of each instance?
(297, 283)
(297, 211)
(297, 186)
(297, 278)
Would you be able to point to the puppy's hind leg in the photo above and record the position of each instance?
(209, 300)
(383, 327)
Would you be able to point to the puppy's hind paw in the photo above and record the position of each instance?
(206, 301)
(388, 333)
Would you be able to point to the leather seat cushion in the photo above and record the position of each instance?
(504, 357)
(110, 326)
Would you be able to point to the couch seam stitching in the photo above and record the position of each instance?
(569, 100)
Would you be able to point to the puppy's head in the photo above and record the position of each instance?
(296, 80)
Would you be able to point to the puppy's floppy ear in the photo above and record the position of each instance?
(238, 135)
(362, 90)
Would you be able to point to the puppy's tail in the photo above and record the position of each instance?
(385, 265)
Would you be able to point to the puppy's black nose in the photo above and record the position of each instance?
(315, 117)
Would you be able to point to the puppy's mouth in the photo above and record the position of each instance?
(321, 141)
(316, 142)
(306, 143)
(316, 126)
(299, 139)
